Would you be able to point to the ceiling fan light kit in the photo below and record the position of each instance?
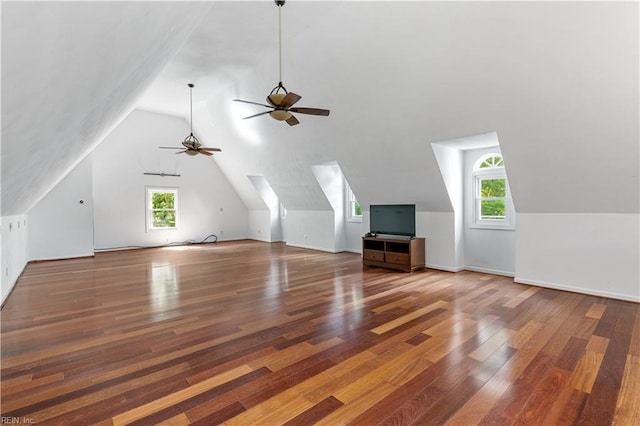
(281, 103)
(191, 144)
(280, 115)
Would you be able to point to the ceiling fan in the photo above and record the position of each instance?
(191, 144)
(281, 103)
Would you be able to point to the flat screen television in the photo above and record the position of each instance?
(393, 219)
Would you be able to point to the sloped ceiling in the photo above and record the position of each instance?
(557, 82)
(70, 72)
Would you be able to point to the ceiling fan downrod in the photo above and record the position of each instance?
(191, 86)
(280, 3)
(281, 104)
(191, 145)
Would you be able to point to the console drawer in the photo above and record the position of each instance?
(397, 258)
(373, 255)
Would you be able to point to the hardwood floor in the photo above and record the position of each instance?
(247, 333)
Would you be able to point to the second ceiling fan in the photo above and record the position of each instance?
(281, 102)
(191, 145)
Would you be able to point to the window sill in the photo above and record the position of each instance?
(354, 219)
(161, 229)
(493, 226)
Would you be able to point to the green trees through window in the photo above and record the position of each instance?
(492, 161)
(492, 199)
(162, 208)
(355, 209)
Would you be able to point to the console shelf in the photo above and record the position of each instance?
(405, 255)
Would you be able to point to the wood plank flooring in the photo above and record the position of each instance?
(249, 333)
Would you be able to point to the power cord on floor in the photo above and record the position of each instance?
(175, 243)
(204, 241)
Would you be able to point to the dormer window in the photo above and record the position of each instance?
(493, 207)
(354, 213)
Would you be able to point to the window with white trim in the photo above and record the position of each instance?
(162, 208)
(355, 209)
(493, 207)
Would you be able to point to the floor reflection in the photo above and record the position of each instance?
(347, 303)
(164, 287)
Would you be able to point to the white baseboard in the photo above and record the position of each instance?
(8, 291)
(490, 271)
(222, 240)
(219, 240)
(6, 294)
(75, 256)
(444, 268)
(352, 251)
(581, 290)
(311, 248)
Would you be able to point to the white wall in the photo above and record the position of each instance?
(272, 202)
(331, 180)
(14, 251)
(451, 163)
(59, 225)
(596, 254)
(347, 234)
(207, 202)
(312, 229)
(259, 225)
(353, 236)
(490, 251)
(439, 230)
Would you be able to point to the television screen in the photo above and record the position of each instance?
(393, 219)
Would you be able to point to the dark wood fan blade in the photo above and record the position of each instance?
(290, 99)
(255, 115)
(312, 111)
(169, 147)
(211, 149)
(205, 152)
(253, 103)
(292, 121)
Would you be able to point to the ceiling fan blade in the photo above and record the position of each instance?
(211, 149)
(169, 147)
(253, 103)
(290, 99)
(312, 111)
(255, 115)
(200, 151)
(292, 121)
(191, 144)
(180, 152)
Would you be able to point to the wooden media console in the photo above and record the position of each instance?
(404, 254)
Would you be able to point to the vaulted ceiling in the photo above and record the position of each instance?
(557, 82)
